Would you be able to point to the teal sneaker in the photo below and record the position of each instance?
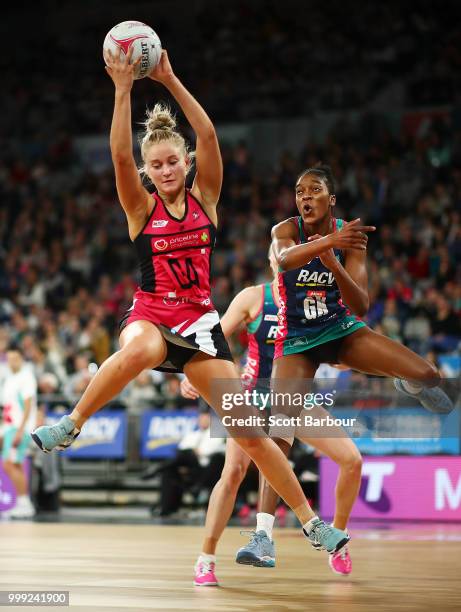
(433, 399)
(326, 537)
(260, 550)
(59, 436)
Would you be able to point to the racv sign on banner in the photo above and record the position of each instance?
(161, 431)
(102, 437)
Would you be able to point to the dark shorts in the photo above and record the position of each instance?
(328, 352)
(180, 351)
(203, 334)
(325, 353)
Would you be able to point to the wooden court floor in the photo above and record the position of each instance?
(142, 567)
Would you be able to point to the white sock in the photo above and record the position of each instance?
(205, 558)
(308, 526)
(411, 387)
(23, 499)
(265, 522)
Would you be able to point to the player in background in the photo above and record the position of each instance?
(257, 308)
(19, 399)
(172, 323)
(323, 292)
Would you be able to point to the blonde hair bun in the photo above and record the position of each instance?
(160, 118)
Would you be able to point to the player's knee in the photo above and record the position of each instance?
(233, 477)
(352, 462)
(140, 356)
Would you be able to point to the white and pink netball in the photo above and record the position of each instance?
(145, 42)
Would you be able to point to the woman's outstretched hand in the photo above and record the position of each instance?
(163, 72)
(352, 236)
(188, 390)
(120, 69)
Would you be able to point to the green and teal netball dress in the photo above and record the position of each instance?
(311, 309)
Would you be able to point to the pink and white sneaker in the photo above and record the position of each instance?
(204, 574)
(341, 562)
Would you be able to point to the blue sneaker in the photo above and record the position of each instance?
(59, 436)
(326, 537)
(433, 399)
(259, 551)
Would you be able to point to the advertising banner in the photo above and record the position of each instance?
(403, 431)
(162, 431)
(419, 488)
(102, 437)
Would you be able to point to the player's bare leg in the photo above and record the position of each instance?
(16, 472)
(294, 373)
(224, 494)
(260, 551)
(142, 346)
(372, 353)
(201, 371)
(346, 455)
(220, 507)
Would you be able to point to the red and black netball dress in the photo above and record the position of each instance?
(174, 257)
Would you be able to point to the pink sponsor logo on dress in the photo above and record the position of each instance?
(183, 240)
(161, 244)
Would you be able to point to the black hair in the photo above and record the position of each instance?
(14, 346)
(324, 173)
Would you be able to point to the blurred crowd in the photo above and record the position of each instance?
(243, 59)
(67, 268)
